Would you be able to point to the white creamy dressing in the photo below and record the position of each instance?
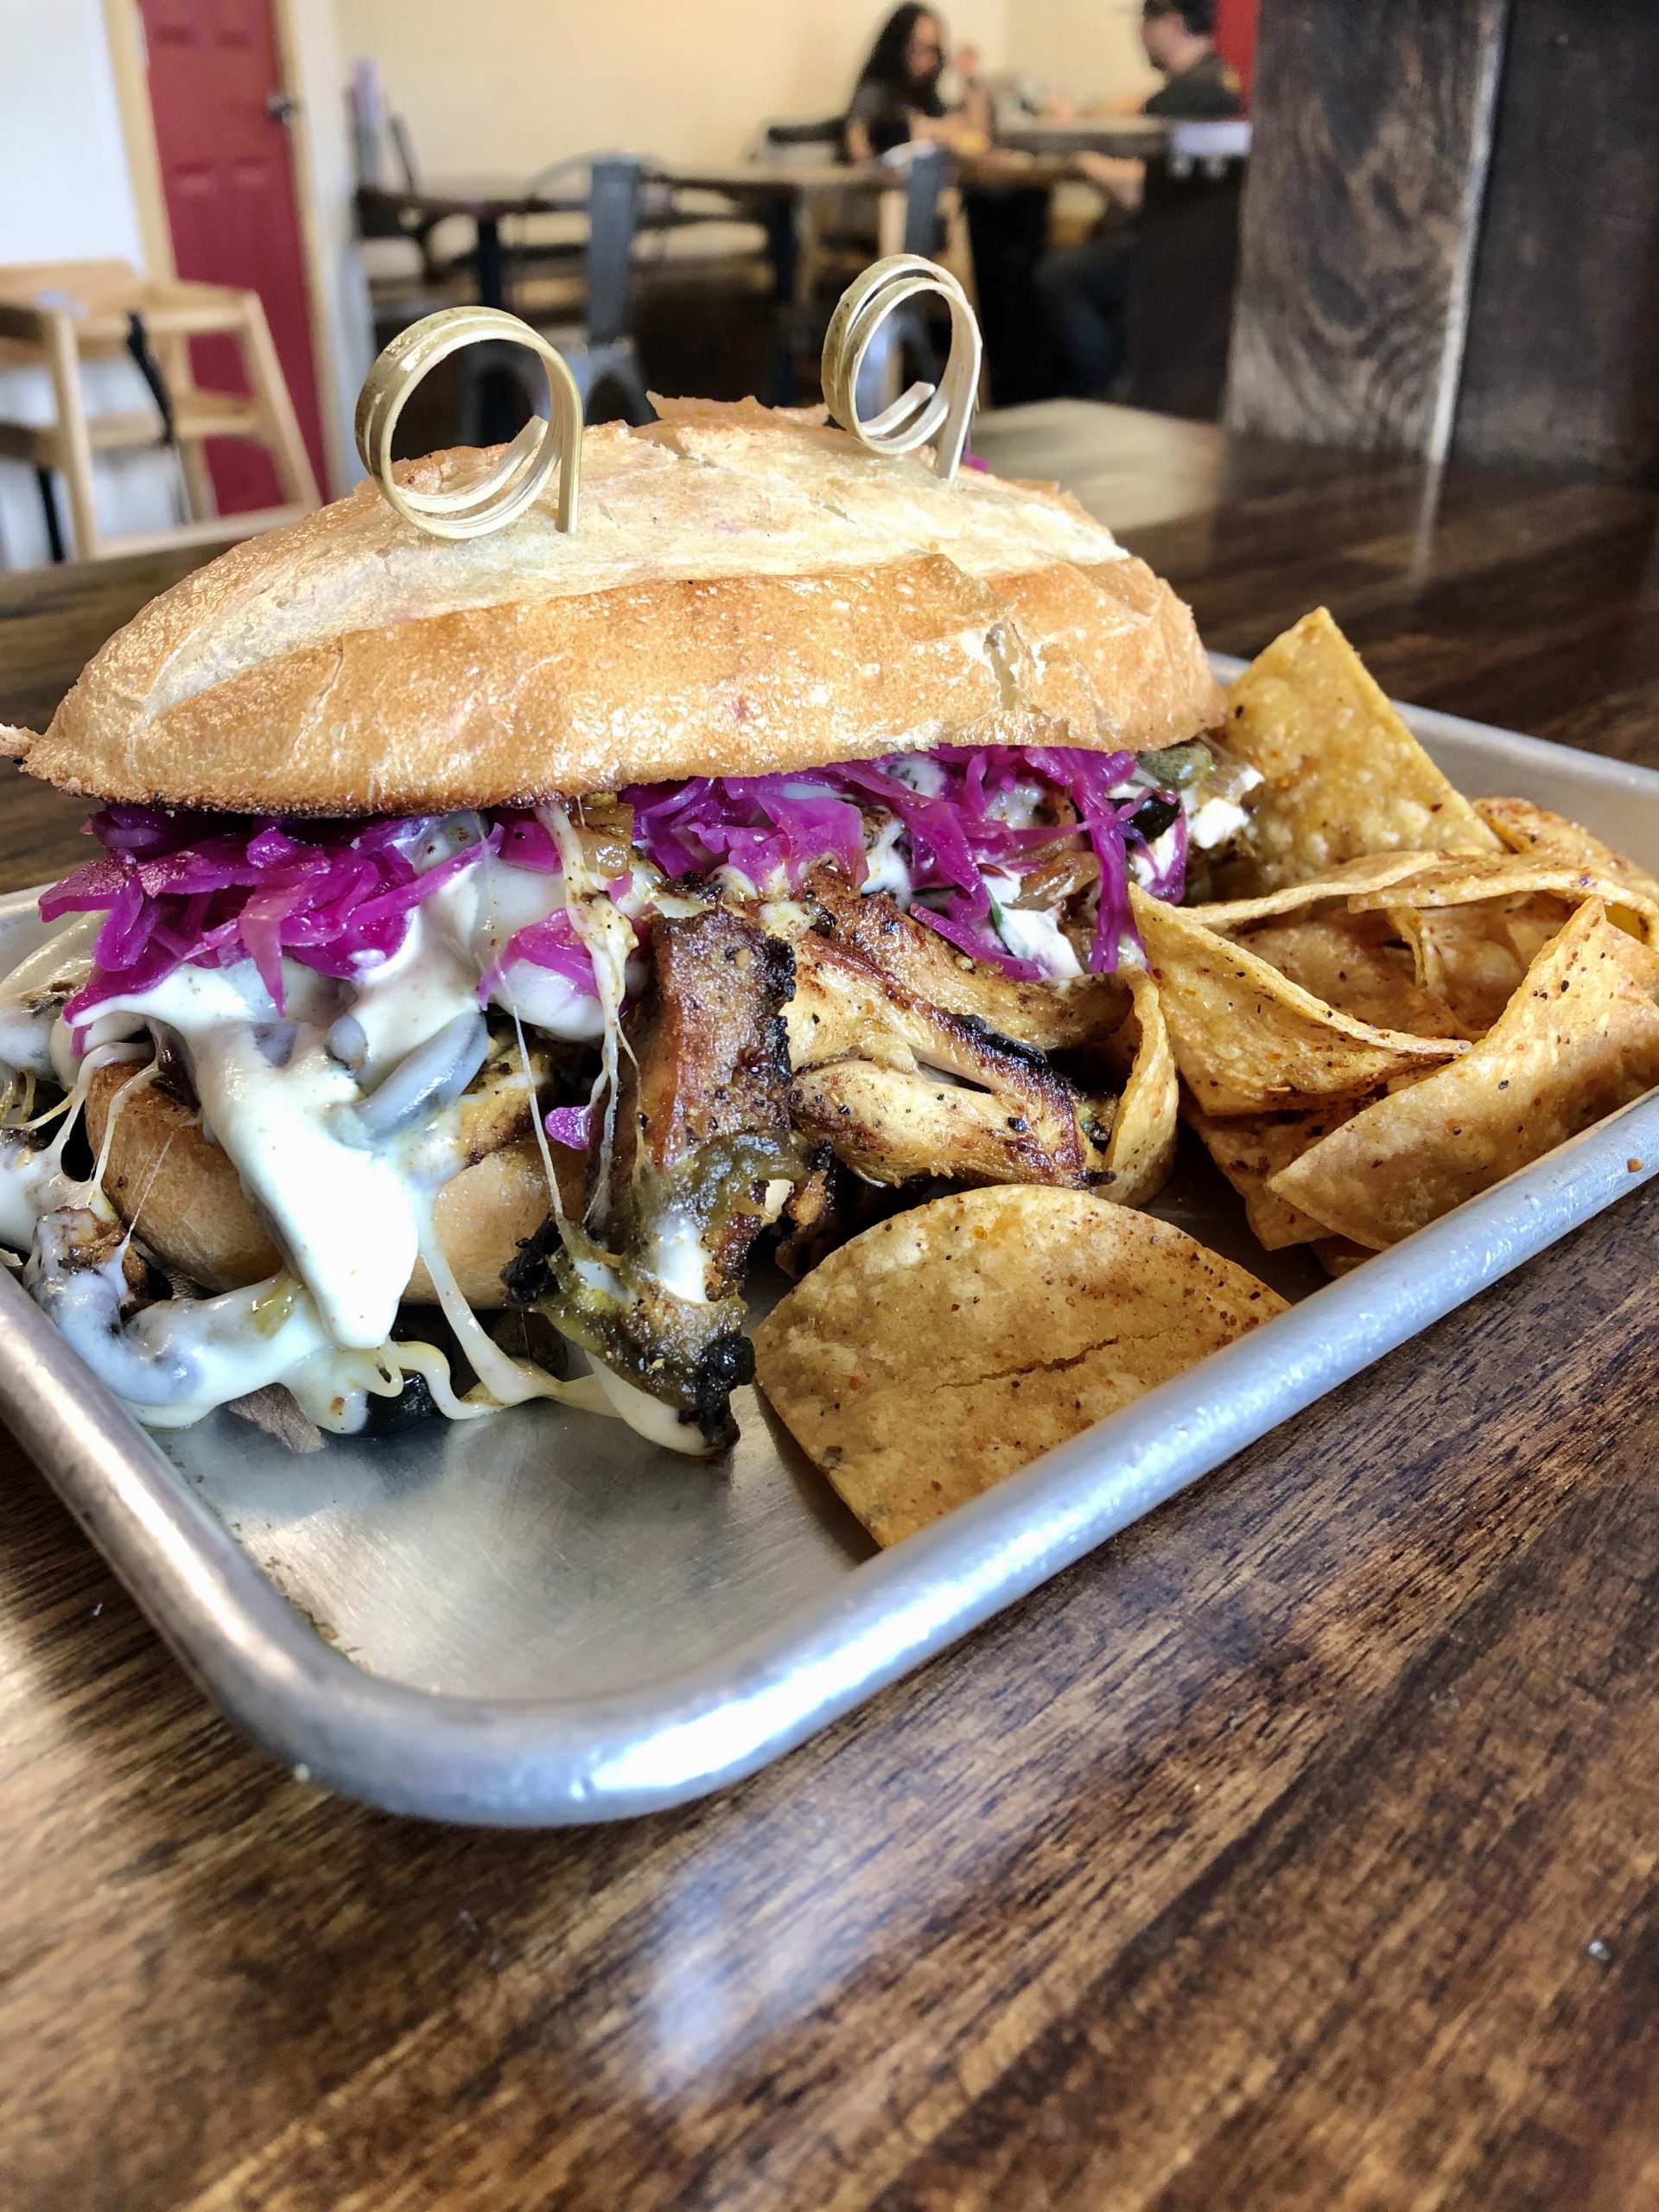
(31, 994)
(349, 1215)
(1032, 933)
(1215, 822)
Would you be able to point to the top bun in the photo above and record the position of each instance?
(747, 591)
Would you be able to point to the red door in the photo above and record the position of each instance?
(227, 173)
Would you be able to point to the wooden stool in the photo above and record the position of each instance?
(55, 315)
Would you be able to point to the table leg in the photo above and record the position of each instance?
(499, 408)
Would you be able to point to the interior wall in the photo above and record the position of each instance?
(314, 63)
(1091, 49)
(509, 85)
(65, 196)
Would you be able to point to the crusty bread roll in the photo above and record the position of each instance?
(196, 1218)
(745, 591)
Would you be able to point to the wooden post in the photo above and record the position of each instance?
(1450, 239)
(1373, 134)
(1562, 365)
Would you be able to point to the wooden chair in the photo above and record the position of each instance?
(584, 306)
(57, 314)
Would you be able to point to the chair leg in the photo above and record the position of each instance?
(74, 445)
(50, 509)
(173, 357)
(270, 390)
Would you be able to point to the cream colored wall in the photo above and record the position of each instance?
(1090, 49)
(511, 84)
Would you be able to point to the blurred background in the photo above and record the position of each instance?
(1423, 226)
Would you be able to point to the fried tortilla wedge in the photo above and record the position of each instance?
(1580, 1038)
(1466, 957)
(1358, 963)
(1343, 775)
(1542, 836)
(1141, 1148)
(1465, 881)
(951, 1346)
(1248, 1040)
(1371, 872)
(1250, 1150)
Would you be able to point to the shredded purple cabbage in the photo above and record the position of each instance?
(337, 897)
(773, 828)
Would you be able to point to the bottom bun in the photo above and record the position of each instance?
(199, 1222)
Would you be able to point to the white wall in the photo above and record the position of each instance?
(1090, 49)
(317, 72)
(65, 195)
(508, 86)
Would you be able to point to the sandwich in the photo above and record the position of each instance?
(491, 944)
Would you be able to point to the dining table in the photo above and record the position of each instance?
(1295, 1850)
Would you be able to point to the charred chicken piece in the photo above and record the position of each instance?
(901, 1087)
(1053, 1018)
(652, 1285)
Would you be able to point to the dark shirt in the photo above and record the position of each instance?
(884, 111)
(1204, 94)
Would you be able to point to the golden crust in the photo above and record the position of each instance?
(747, 593)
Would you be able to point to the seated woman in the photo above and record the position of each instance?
(897, 96)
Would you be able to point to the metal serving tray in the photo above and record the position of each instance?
(539, 1620)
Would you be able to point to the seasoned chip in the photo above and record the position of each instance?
(1371, 872)
(1467, 958)
(1251, 1148)
(1343, 775)
(1535, 831)
(1580, 1038)
(949, 1346)
(1142, 1149)
(1358, 963)
(1467, 880)
(1247, 1040)
(1339, 1257)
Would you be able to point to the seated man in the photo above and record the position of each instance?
(1085, 289)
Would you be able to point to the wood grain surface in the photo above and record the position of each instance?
(1368, 169)
(1563, 347)
(1296, 1851)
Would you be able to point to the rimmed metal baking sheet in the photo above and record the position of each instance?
(540, 1620)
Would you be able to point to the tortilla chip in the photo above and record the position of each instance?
(1371, 872)
(1342, 774)
(1535, 831)
(1251, 1148)
(1247, 1040)
(1355, 963)
(1579, 1039)
(1339, 1258)
(1141, 1148)
(1465, 881)
(1467, 958)
(949, 1346)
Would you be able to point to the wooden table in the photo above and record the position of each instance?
(1129, 137)
(1297, 1851)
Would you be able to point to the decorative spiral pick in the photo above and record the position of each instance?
(936, 415)
(515, 480)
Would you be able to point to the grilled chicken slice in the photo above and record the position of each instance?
(900, 1087)
(890, 1125)
(702, 1140)
(1052, 1017)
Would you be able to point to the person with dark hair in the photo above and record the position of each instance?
(897, 96)
(1085, 289)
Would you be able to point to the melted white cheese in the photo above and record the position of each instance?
(1030, 933)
